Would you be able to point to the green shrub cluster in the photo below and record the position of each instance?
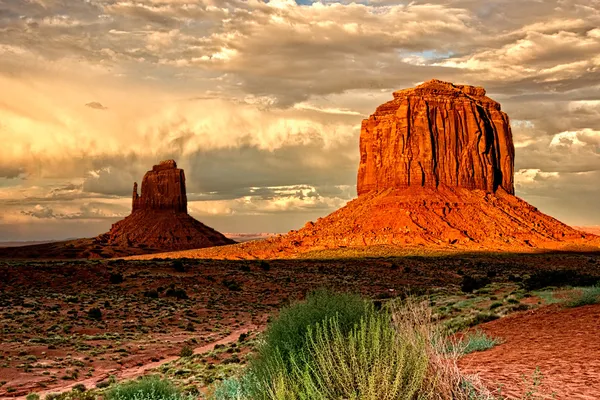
(586, 296)
(146, 388)
(337, 346)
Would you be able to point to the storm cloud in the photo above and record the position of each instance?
(261, 102)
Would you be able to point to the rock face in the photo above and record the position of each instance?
(437, 133)
(163, 188)
(159, 218)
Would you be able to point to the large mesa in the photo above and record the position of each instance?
(437, 134)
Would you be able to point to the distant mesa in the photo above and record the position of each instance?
(158, 222)
(436, 172)
(159, 217)
(163, 188)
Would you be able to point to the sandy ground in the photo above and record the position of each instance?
(562, 342)
(134, 372)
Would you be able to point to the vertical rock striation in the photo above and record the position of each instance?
(437, 134)
(163, 188)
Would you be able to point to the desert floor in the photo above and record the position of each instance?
(94, 322)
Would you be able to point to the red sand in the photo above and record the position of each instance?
(562, 342)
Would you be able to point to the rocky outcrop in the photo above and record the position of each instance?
(436, 172)
(437, 133)
(163, 188)
(159, 218)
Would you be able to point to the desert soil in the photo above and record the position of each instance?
(49, 340)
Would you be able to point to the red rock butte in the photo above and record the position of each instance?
(436, 171)
(437, 134)
(159, 218)
(163, 188)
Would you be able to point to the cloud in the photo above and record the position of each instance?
(41, 212)
(96, 106)
(261, 102)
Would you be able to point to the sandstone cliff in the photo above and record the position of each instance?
(437, 133)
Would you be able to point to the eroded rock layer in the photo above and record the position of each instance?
(437, 133)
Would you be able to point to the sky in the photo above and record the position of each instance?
(261, 102)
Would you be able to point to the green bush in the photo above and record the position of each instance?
(146, 388)
(474, 341)
(285, 340)
(230, 389)
(586, 296)
(186, 351)
(372, 361)
(337, 346)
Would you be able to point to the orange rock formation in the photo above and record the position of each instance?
(159, 217)
(436, 171)
(437, 133)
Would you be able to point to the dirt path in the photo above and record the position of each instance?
(562, 342)
(134, 372)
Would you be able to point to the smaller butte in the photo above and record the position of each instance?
(159, 219)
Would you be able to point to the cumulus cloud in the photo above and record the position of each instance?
(96, 106)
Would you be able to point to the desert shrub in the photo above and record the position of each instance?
(232, 285)
(178, 266)
(186, 351)
(334, 346)
(360, 364)
(116, 278)
(151, 293)
(245, 268)
(586, 296)
(95, 313)
(285, 339)
(73, 395)
(472, 342)
(146, 388)
(32, 396)
(265, 266)
(482, 318)
(471, 283)
(177, 293)
(230, 389)
(80, 387)
(495, 304)
(558, 278)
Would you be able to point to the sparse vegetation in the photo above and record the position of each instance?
(146, 388)
(585, 296)
(558, 278)
(132, 324)
(474, 341)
